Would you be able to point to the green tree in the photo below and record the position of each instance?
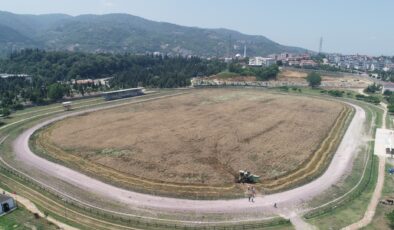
(314, 79)
(387, 93)
(5, 112)
(390, 217)
(267, 73)
(55, 92)
(373, 88)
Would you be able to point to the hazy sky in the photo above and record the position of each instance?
(347, 26)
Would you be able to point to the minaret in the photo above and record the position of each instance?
(244, 51)
(321, 45)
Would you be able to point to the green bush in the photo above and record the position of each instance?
(390, 217)
(5, 112)
(284, 88)
(370, 99)
(336, 93)
(314, 79)
(387, 92)
(373, 88)
(390, 108)
(18, 106)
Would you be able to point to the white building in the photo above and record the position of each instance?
(25, 76)
(261, 61)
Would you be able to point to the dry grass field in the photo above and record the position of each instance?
(346, 81)
(200, 139)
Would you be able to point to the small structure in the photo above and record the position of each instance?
(261, 61)
(67, 105)
(118, 94)
(7, 204)
(388, 86)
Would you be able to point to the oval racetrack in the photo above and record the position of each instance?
(340, 164)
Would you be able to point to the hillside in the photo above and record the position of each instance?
(124, 33)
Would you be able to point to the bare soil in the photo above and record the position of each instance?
(200, 138)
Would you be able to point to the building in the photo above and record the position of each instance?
(99, 81)
(118, 94)
(25, 76)
(261, 61)
(308, 63)
(7, 204)
(388, 86)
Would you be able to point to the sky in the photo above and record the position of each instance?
(347, 26)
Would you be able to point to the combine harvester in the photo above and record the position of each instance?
(247, 177)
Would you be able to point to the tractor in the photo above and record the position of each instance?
(247, 177)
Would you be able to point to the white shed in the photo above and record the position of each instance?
(67, 105)
(7, 204)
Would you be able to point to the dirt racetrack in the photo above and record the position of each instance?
(203, 137)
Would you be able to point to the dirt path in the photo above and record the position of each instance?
(300, 224)
(371, 209)
(288, 199)
(31, 207)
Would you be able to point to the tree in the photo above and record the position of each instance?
(390, 217)
(373, 88)
(5, 112)
(390, 108)
(387, 92)
(314, 79)
(267, 73)
(55, 92)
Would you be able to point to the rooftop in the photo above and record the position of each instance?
(124, 90)
(4, 198)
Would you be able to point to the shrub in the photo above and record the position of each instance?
(18, 106)
(5, 112)
(314, 79)
(336, 93)
(390, 108)
(390, 217)
(387, 92)
(284, 88)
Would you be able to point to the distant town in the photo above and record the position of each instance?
(379, 67)
(349, 63)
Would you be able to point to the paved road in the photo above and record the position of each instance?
(287, 200)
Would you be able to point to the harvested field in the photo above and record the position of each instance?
(345, 81)
(198, 139)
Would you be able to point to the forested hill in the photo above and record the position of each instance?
(125, 33)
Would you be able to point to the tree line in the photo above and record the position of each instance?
(53, 71)
(51, 74)
(262, 74)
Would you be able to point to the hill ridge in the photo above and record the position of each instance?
(120, 32)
